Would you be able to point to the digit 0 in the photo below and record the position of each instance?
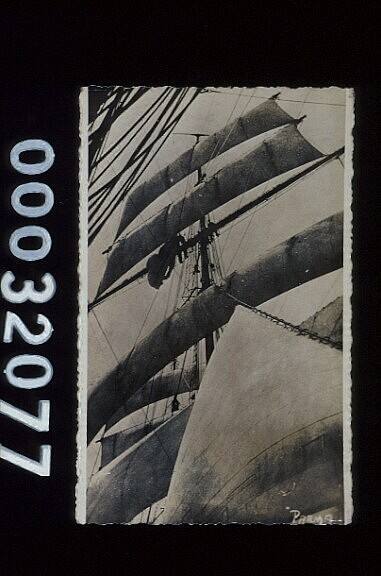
(36, 167)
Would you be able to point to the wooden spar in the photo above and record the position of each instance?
(228, 219)
(279, 154)
(114, 444)
(259, 120)
(160, 386)
(303, 257)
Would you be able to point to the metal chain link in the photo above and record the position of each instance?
(291, 327)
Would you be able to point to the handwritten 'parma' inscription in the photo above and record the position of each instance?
(329, 516)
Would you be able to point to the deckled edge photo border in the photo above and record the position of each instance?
(80, 491)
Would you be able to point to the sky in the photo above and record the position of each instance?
(313, 198)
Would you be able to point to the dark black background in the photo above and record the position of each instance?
(47, 54)
(52, 116)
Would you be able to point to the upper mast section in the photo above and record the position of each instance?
(204, 258)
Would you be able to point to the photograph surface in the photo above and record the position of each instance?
(218, 260)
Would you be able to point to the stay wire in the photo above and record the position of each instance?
(173, 122)
(147, 113)
(254, 212)
(280, 99)
(124, 191)
(118, 107)
(97, 135)
(134, 157)
(242, 195)
(288, 325)
(105, 336)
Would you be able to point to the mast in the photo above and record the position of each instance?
(259, 120)
(309, 254)
(204, 259)
(193, 241)
(205, 282)
(281, 153)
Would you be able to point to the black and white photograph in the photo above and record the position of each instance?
(216, 243)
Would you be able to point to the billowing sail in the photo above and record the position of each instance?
(265, 434)
(139, 476)
(157, 388)
(117, 443)
(303, 257)
(283, 152)
(263, 118)
(327, 322)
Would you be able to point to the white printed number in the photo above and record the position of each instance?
(14, 322)
(41, 468)
(28, 360)
(32, 188)
(40, 423)
(36, 167)
(30, 232)
(28, 291)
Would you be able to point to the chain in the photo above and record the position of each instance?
(291, 327)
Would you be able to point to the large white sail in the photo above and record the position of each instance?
(161, 386)
(262, 118)
(139, 476)
(308, 255)
(265, 434)
(264, 438)
(279, 154)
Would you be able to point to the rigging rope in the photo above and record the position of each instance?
(188, 180)
(261, 202)
(288, 325)
(97, 156)
(134, 157)
(96, 137)
(116, 108)
(113, 113)
(124, 191)
(149, 112)
(131, 184)
(280, 99)
(240, 204)
(106, 337)
(103, 106)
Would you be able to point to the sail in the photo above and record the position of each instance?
(157, 388)
(151, 514)
(327, 322)
(263, 118)
(303, 257)
(268, 444)
(117, 443)
(139, 476)
(283, 152)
